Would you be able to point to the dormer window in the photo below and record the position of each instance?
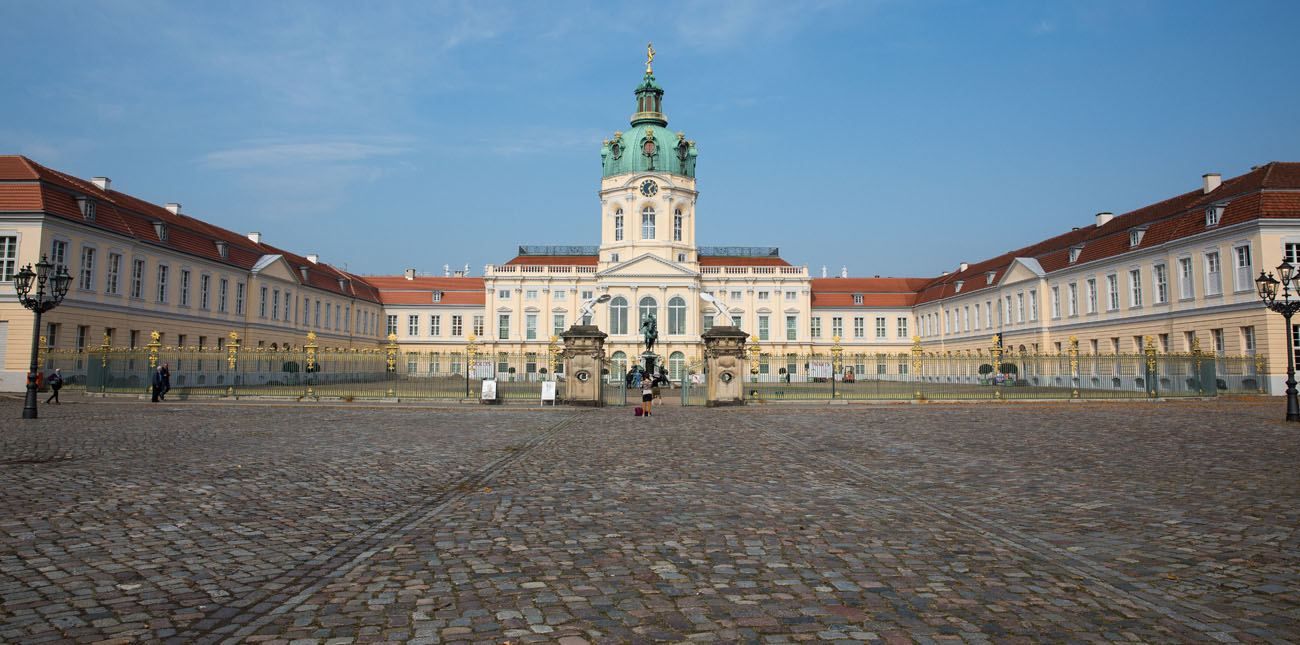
(958, 286)
(1075, 251)
(1135, 236)
(857, 298)
(437, 296)
(1213, 214)
(161, 230)
(223, 249)
(87, 207)
(989, 276)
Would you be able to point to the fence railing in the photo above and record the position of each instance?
(381, 373)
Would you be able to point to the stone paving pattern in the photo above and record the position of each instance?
(198, 522)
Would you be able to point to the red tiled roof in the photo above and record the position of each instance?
(875, 292)
(824, 300)
(36, 187)
(563, 260)
(732, 261)
(426, 283)
(477, 298)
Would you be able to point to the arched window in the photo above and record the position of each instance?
(618, 315)
(617, 366)
(677, 225)
(676, 365)
(618, 225)
(648, 223)
(645, 307)
(676, 315)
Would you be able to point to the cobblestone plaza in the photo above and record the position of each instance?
(207, 522)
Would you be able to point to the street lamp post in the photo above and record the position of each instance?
(39, 291)
(1287, 306)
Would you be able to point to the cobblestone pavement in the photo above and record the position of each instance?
(1062, 522)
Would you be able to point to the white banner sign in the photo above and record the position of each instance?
(482, 368)
(548, 391)
(819, 369)
(489, 390)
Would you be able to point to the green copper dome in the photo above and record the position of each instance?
(649, 145)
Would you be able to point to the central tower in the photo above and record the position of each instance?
(647, 188)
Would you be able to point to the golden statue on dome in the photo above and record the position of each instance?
(649, 57)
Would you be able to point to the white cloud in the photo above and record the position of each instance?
(1043, 27)
(299, 153)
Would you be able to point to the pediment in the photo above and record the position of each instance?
(276, 267)
(1023, 269)
(648, 266)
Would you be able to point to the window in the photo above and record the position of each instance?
(1020, 307)
(618, 315)
(222, 288)
(791, 296)
(645, 308)
(239, 298)
(1135, 288)
(837, 327)
(87, 268)
(1164, 343)
(503, 294)
(648, 223)
(681, 257)
(392, 321)
(412, 325)
(111, 280)
(137, 278)
(763, 329)
(205, 288)
(677, 225)
(1241, 262)
(1074, 253)
(676, 366)
(185, 290)
(457, 325)
(1248, 339)
(1291, 252)
(857, 298)
(58, 252)
(676, 315)
(902, 325)
(988, 313)
(530, 326)
(816, 330)
(1112, 292)
(1185, 279)
(860, 327)
(262, 307)
(316, 316)
(435, 325)
(503, 326)
(1217, 335)
(613, 257)
(162, 283)
(618, 225)
(557, 324)
(764, 295)
(1213, 270)
(560, 294)
(708, 323)
(531, 294)
(1092, 295)
(480, 323)
(1073, 303)
(881, 330)
(1056, 302)
(1135, 237)
(1162, 283)
(736, 295)
(1033, 309)
(791, 327)
(1213, 214)
(437, 296)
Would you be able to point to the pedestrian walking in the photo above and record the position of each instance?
(56, 384)
(647, 395)
(166, 382)
(157, 383)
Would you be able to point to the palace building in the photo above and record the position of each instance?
(1179, 272)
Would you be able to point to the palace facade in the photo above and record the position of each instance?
(1179, 272)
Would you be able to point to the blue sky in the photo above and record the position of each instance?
(896, 138)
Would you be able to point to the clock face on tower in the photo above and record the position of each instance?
(649, 188)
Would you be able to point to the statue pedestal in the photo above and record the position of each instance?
(584, 362)
(724, 366)
(648, 359)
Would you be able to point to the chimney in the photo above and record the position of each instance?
(458, 274)
(1212, 180)
(963, 266)
(844, 272)
(303, 271)
(256, 237)
(823, 270)
(1104, 218)
(466, 269)
(313, 258)
(409, 274)
(446, 270)
(101, 183)
(173, 208)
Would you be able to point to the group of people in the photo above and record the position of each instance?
(638, 379)
(162, 383)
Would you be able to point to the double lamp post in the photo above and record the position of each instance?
(40, 290)
(1287, 306)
